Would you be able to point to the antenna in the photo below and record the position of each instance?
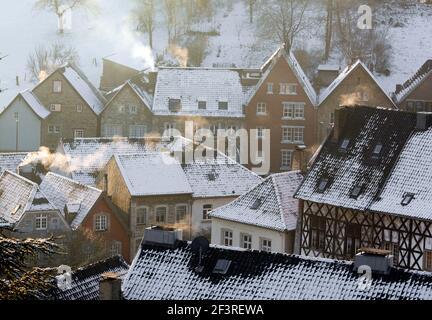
(199, 246)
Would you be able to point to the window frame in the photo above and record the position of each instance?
(225, 105)
(54, 86)
(270, 85)
(265, 247)
(317, 230)
(133, 128)
(79, 130)
(146, 215)
(98, 222)
(40, 220)
(185, 218)
(286, 167)
(79, 108)
(227, 240)
(261, 109)
(284, 89)
(165, 214)
(55, 107)
(206, 211)
(290, 137)
(246, 244)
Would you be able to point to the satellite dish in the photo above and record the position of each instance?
(200, 245)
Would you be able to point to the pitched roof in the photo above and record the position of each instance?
(11, 161)
(85, 280)
(35, 104)
(171, 274)
(401, 166)
(191, 85)
(152, 174)
(343, 75)
(62, 191)
(416, 80)
(270, 204)
(220, 177)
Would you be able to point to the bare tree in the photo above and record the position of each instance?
(44, 60)
(251, 7)
(329, 29)
(60, 7)
(283, 18)
(145, 15)
(170, 9)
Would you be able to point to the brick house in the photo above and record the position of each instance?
(416, 93)
(355, 85)
(369, 187)
(283, 101)
(75, 105)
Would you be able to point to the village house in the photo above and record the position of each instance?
(284, 102)
(88, 208)
(74, 104)
(178, 270)
(11, 161)
(355, 85)
(21, 123)
(264, 218)
(416, 93)
(369, 187)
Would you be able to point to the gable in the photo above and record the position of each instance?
(423, 91)
(126, 96)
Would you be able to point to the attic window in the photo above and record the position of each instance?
(256, 204)
(355, 193)
(223, 105)
(323, 184)
(174, 105)
(344, 145)
(211, 176)
(408, 197)
(202, 105)
(377, 151)
(222, 266)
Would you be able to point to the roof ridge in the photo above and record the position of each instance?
(71, 180)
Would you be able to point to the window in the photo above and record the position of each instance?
(257, 203)
(174, 105)
(116, 248)
(269, 88)
(377, 151)
(323, 184)
(112, 131)
(101, 223)
(352, 238)
(317, 230)
(168, 127)
(78, 133)
(286, 159)
(161, 213)
(427, 260)
(261, 108)
(41, 222)
(227, 238)
(141, 216)
(407, 198)
(206, 210)
(223, 105)
(202, 105)
(292, 134)
(410, 106)
(365, 96)
(266, 245)
(332, 118)
(181, 214)
(137, 131)
(55, 107)
(16, 116)
(394, 249)
(344, 145)
(133, 109)
(79, 108)
(292, 110)
(57, 86)
(260, 132)
(356, 191)
(53, 129)
(246, 240)
(288, 88)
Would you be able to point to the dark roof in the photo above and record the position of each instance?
(171, 274)
(85, 281)
(356, 166)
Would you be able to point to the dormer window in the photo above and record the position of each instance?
(323, 184)
(202, 105)
(407, 198)
(223, 105)
(355, 193)
(377, 151)
(344, 145)
(174, 105)
(256, 204)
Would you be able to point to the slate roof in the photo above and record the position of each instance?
(416, 80)
(191, 85)
(170, 274)
(62, 191)
(11, 161)
(85, 281)
(277, 209)
(365, 128)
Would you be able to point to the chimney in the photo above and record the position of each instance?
(380, 261)
(110, 286)
(341, 116)
(424, 120)
(301, 150)
(398, 88)
(162, 236)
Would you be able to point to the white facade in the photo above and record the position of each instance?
(280, 241)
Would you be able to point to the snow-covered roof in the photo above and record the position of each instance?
(343, 75)
(35, 104)
(329, 67)
(295, 66)
(62, 191)
(423, 73)
(85, 280)
(11, 161)
(400, 167)
(40, 202)
(171, 274)
(191, 85)
(152, 174)
(269, 205)
(220, 177)
(136, 87)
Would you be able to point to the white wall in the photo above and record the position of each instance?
(278, 238)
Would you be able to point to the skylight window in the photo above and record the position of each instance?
(211, 176)
(222, 266)
(377, 150)
(407, 198)
(355, 193)
(174, 105)
(256, 204)
(323, 185)
(344, 145)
